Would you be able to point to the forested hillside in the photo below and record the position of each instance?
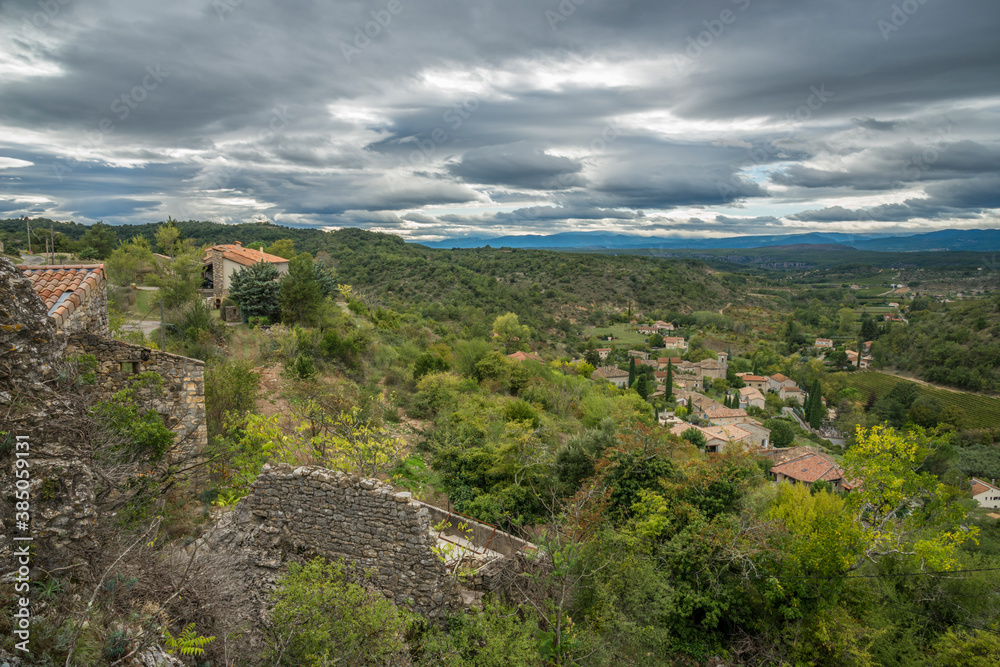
(543, 287)
(956, 344)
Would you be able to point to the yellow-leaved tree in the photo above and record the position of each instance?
(902, 510)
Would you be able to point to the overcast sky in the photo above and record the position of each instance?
(431, 119)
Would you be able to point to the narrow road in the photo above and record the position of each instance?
(906, 376)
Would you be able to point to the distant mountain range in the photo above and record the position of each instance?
(947, 239)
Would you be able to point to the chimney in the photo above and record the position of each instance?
(239, 243)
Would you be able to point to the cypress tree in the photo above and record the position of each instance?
(631, 371)
(669, 390)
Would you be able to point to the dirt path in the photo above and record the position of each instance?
(724, 307)
(911, 378)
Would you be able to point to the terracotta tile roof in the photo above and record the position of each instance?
(754, 378)
(63, 287)
(778, 377)
(245, 256)
(722, 413)
(979, 486)
(809, 468)
(524, 356)
(610, 372)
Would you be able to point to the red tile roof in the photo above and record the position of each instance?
(810, 468)
(245, 256)
(979, 486)
(524, 356)
(754, 378)
(723, 412)
(63, 287)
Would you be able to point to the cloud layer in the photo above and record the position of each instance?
(432, 118)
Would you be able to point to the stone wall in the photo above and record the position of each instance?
(91, 315)
(363, 521)
(183, 403)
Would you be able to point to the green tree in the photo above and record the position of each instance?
(180, 280)
(168, 237)
(631, 371)
(782, 433)
(510, 333)
(301, 293)
(903, 512)
(101, 238)
(282, 248)
(321, 618)
(128, 260)
(255, 290)
(669, 382)
(655, 340)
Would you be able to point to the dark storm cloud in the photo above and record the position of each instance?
(518, 165)
(603, 112)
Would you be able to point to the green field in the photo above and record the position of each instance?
(980, 411)
(624, 334)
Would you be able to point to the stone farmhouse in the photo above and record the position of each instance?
(612, 374)
(805, 465)
(702, 372)
(675, 342)
(751, 396)
(76, 299)
(987, 495)
(222, 261)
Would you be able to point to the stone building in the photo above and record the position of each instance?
(75, 296)
(222, 261)
(76, 300)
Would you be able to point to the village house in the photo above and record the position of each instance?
(723, 416)
(675, 342)
(805, 465)
(863, 364)
(638, 354)
(525, 356)
(777, 381)
(760, 436)
(823, 342)
(751, 396)
(987, 495)
(663, 362)
(717, 438)
(603, 352)
(758, 382)
(792, 392)
(663, 327)
(612, 374)
(647, 330)
(222, 261)
(702, 373)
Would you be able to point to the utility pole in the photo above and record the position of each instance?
(52, 246)
(27, 225)
(163, 343)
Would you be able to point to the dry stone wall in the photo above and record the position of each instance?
(183, 403)
(363, 521)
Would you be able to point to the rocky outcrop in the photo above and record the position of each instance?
(30, 347)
